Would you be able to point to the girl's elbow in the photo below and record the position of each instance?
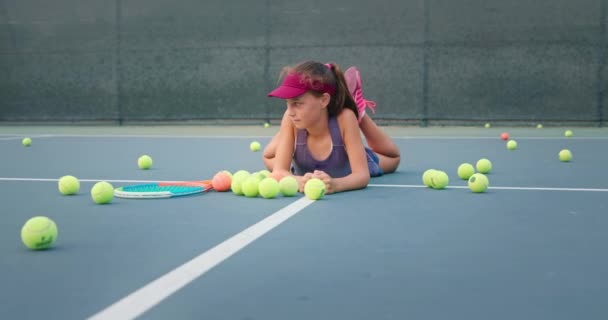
(365, 179)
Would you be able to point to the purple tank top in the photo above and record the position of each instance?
(336, 164)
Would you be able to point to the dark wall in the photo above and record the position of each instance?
(422, 61)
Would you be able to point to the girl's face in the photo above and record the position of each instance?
(307, 109)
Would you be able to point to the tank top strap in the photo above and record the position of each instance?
(336, 134)
(301, 137)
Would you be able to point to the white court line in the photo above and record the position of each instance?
(21, 137)
(173, 136)
(156, 291)
(83, 180)
(369, 185)
(148, 136)
(492, 188)
(492, 138)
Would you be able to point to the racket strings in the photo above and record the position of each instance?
(153, 187)
(163, 189)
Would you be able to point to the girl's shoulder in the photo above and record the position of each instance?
(347, 115)
(347, 121)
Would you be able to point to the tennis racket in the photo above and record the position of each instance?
(157, 190)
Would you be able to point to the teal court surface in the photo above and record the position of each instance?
(532, 247)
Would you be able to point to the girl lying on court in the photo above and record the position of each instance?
(320, 130)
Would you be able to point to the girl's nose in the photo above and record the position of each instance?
(290, 111)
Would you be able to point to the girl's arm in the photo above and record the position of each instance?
(284, 153)
(359, 177)
(285, 148)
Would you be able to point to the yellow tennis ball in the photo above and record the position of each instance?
(26, 142)
(568, 133)
(268, 188)
(512, 145)
(439, 180)
(288, 186)
(478, 183)
(484, 166)
(239, 173)
(237, 181)
(426, 177)
(39, 233)
(465, 171)
(565, 155)
(266, 125)
(102, 192)
(487, 125)
(68, 185)
(539, 126)
(144, 162)
(255, 146)
(259, 176)
(265, 173)
(250, 186)
(314, 189)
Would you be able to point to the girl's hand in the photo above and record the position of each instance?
(279, 174)
(327, 180)
(302, 180)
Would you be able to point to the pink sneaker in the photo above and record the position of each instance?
(353, 81)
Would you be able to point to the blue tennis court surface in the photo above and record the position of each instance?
(531, 247)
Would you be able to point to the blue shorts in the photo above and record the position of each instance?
(373, 163)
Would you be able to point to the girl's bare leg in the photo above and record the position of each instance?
(381, 144)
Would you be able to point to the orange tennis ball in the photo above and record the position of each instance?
(221, 182)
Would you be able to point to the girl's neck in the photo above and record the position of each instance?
(320, 128)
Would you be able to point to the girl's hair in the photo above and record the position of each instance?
(319, 73)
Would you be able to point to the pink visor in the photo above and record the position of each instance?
(294, 86)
